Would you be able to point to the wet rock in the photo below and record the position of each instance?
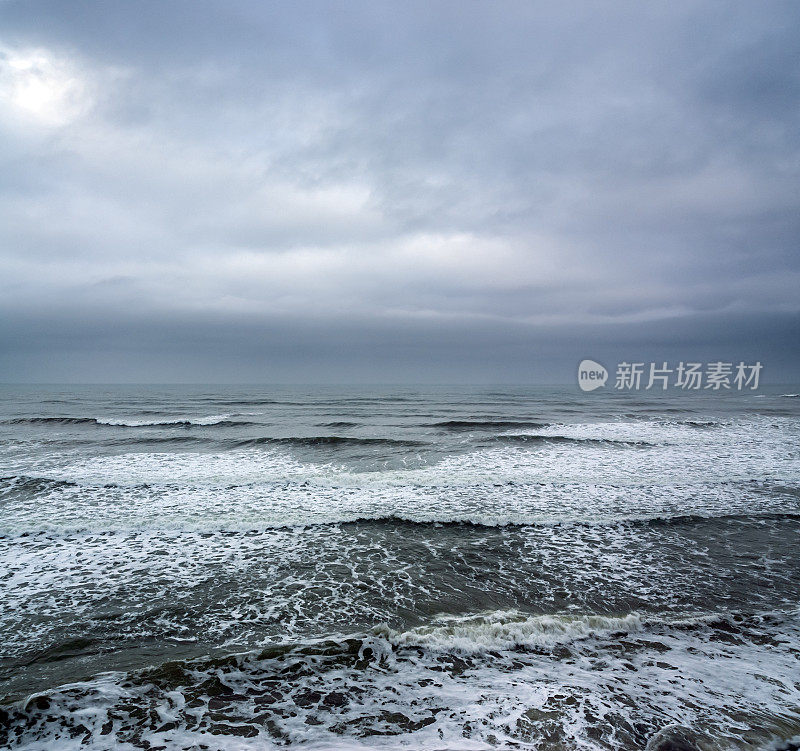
(268, 697)
(673, 738)
(169, 676)
(220, 702)
(307, 698)
(335, 699)
(214, 687)
(243, 731)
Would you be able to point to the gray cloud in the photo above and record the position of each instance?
(392, 186)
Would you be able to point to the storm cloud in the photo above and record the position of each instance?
(395, 191)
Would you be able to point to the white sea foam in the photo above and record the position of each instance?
(742, 467)
(588, 544)
(591, 692)
(246, 588)
(208, 420)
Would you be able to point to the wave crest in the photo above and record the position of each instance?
(508, 630)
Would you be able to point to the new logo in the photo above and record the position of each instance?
(591, 375)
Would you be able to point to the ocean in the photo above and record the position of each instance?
(240, 567)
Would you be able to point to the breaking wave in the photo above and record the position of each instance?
(120, 423)
(533, 438)
(328, 440)
(485, 424)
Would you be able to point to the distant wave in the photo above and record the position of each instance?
(118, 423)
(53, 421)
(672, 421)
(221, 420)
(180, 439)
(329, 440)
(372, 399)
(485, 424)
(340, 424)
(651, 410)
(243, 402)
(547, 439)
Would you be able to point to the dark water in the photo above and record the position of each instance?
(246, 567)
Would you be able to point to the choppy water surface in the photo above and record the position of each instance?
(243, 568)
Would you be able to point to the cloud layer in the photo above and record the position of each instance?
(434, 173)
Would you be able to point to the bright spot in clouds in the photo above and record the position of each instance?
(40, 87)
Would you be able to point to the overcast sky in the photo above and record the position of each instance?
(431, 191)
